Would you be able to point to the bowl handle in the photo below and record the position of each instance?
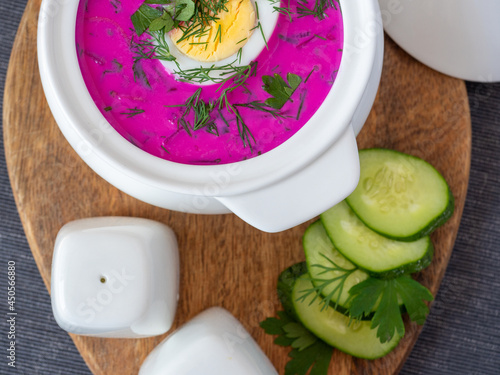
(303, 195)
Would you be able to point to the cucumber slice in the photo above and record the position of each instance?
(321, 257)
(355, 338)
(376, 254)
(400, 196)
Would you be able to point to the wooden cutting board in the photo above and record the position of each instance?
(224, 261)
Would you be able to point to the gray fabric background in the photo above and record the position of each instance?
(461, 336)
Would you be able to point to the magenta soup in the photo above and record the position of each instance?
(143, 101)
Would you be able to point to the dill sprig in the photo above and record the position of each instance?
(286, 11)
(205, 12)
(154, 47)
(131, 112)
(320, 284)
(302, 100)
(214, 74)
(319, 9)
(243, 129)
(259, 25)
(202, 114)
(263, 107)
(237, 79)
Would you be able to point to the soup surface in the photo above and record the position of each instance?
(146, 102)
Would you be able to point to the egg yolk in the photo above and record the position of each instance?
(236, 26)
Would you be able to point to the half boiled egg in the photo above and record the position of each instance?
(237, 36)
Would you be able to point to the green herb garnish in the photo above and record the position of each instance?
(185, 10)
(309, 75)
(387, 316)
(205, 12)
(280, 90)
(263, 107)
(165, 17)
(320, 284)
(132, 112)
(259, 25)
(116, 4)
(302, 100)
(219, 34)
(140, 74)
(164, 22)
(285, 11)
(155, 48)
(234, 77)
(143, 17)
(202, 114)
(215, 74)
(320, 7)
(243, 129)
(308, 352)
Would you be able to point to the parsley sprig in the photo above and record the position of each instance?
(380, 295)
(167, 15)
(387, 293)
(308, 352)
(280, 90)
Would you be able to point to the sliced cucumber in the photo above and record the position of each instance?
(321, 257)
(400, 196)
(376, 254)
(355, 338)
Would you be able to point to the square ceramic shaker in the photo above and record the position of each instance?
(115, 277)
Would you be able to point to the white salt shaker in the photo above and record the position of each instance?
(115, 277)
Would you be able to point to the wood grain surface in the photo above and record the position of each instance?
(224, 261)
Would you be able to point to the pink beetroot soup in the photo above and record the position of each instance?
(138, 106)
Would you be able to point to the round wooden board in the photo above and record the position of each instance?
(224, 261)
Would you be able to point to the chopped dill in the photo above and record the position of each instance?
(319, 9)
(132, 112)
(319, 284)
(309, 75)
(302, 99)
(219, 34)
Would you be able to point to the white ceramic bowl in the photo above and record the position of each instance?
(312, 171)
(460, 38)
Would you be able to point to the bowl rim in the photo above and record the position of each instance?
(111, 155)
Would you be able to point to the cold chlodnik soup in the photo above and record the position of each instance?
(208, 81)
